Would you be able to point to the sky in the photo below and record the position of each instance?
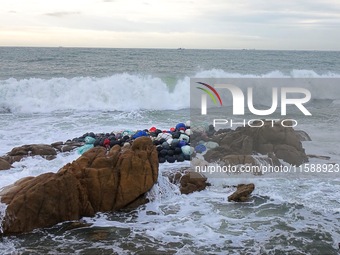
(213, 24)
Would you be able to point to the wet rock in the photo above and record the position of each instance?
(75, 225)
(319, 157)
(95, 182)
(66, 147)
(290, 154)
(265, 148)
(192, 182)
(302, 135)
(44, 150)
(242, 145)
(216, 154)
(239, 160)
(57, 144)
(141, 200)
(189, 181)
(10, 159)
(268, 139)
(274, 160)
(250, 160)
(99, 235)
(4, 164)
(242, 193)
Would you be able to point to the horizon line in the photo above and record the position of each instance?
(163, 48)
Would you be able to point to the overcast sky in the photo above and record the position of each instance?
(226, 24)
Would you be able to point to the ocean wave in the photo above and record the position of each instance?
(123, 92)
(119, 92)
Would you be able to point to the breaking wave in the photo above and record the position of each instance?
(122, 92)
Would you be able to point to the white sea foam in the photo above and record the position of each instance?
(122, 92)
(205, 221)
(2, 215)
(34, 166)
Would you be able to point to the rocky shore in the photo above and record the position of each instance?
(118, 169)
(181, 143)
(239, 146)
(96, 182)
(172, 145)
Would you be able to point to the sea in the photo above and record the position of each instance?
(55, 94)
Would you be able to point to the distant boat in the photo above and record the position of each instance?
(180, 49)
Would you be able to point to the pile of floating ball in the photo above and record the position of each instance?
(172, 145)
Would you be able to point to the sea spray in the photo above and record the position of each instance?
(119, 92)
(126, 92)
(2, 215)
(163, 189)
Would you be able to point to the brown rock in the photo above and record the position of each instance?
(319, 157)
(242, 145)
(290, 154)
(75, 225)
(302, 135)
(274, 135)
(4, 164)
(239, 159)
(54, 145)
(217, 153)
(189, 181)
(274, 160)
(265, 148)
(242, 193)
(10, 159)
(136, 203)
(270, 138)
(293, 140)
(95, 182)
(192, 181)
(229, 138)
(66, 147)
(43, 201)
(44, 150)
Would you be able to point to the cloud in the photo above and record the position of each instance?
(61, 14)
(201, 23)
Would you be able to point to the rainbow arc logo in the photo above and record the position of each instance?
(211, 89)
(213, 94)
